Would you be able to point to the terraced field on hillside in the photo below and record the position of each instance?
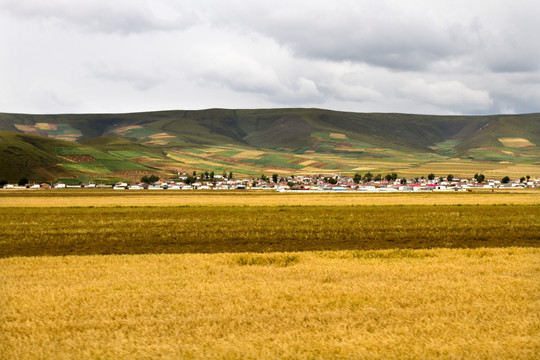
(266, 141)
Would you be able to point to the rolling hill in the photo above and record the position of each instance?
(252, 142)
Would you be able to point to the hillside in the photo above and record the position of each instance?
(251, 142)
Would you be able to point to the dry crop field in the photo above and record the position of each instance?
(131, 198)
(111, 275)
(206, 229)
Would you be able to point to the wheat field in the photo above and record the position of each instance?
(114, 198)
(371, 276)
(60, 231)
(408, 304)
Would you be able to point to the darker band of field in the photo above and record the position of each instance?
(124, 230)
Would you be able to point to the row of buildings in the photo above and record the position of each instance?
(303, 183)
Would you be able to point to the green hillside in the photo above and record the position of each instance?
(251, 142)
(45, 159)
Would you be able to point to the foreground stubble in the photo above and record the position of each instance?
(448, 303)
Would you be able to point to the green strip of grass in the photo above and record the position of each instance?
(124, 230)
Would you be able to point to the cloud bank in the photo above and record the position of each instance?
(445, 57)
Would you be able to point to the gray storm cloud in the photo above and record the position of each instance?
(415, 56)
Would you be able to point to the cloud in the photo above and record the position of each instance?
(356, 55)
(400, 36)
(447, 94)
(140, 80)
(122, 17)
(347, 82)
(247, 76)
(508, 45)
(374, 33)
(510, 54)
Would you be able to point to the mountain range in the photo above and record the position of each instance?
(107, 147)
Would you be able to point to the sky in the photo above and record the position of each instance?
(414, 56)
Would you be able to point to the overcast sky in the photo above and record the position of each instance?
(432, 57)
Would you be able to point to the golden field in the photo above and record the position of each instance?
(108, 198)
(209, 275)
(408, 304)
(60, 231)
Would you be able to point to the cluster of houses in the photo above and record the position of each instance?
(304, 183)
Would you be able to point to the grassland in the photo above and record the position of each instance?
(265, 275)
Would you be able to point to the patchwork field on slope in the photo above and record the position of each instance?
(253, 142)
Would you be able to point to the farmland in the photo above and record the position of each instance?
(109, 198)
(124, 230)
(442, 303)
(105, 274)
(254, 142)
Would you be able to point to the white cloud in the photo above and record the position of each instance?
(100, 16)
(379, 33)
(447, 94)
(358, 55)
(138, 79)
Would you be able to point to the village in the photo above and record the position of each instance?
(299, 183)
